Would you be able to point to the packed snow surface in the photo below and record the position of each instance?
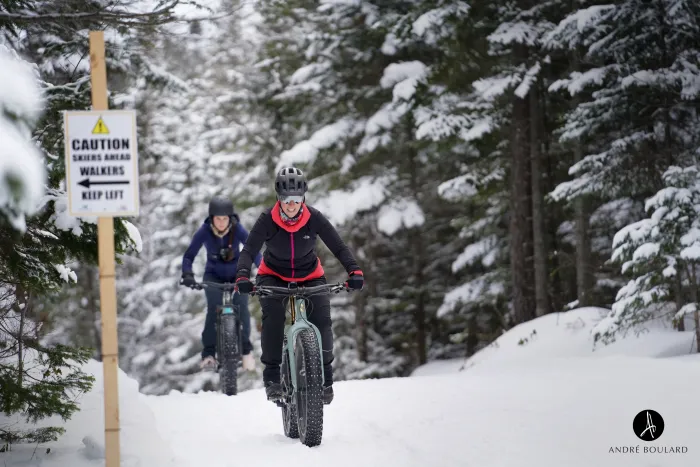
(533, 399)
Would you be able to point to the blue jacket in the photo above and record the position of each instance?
(224, 271)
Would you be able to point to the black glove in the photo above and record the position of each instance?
(188, 279)
(356, 280)
(244, 285)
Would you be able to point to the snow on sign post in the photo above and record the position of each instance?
(101, 163)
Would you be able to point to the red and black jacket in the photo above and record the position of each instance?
(291, 250)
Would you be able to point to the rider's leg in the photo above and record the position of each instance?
(214, 298)
(241, 300)
(273, 318)
(319, 313)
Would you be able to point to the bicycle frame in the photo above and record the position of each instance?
(297, 307)
(227, 303)
(227, 298)
(226, 307)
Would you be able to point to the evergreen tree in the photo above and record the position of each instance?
(636, 118)
(35, 382)
(182, 170)
(39, 379)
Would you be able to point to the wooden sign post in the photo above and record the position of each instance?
(102, 181)
(108, 291)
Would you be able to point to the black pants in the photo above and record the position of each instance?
(214, 299)
(318, 311)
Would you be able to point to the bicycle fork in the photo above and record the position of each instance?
(297, 304)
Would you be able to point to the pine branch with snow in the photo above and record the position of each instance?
(661, 253)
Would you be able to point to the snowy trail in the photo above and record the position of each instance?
(547, 402)
(551, 412)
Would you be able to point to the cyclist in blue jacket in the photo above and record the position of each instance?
(222, 235)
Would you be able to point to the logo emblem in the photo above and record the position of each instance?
(648, 425)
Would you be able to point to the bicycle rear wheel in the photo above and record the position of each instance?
(309, 388)
(228, 354)
(289, 405)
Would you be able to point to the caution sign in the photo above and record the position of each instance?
(101, 163)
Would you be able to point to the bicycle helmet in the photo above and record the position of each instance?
(290, 181)
(219, 206)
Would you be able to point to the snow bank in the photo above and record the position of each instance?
(82, 445)
(561, 412)
(568, 334)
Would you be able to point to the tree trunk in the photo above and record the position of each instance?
(420, 314)
(373, 288)
(520, 225)
(360, 313)
(20, 337)
(694, 297)
(557, 282)
(584, 276)
(419, 275)
(418, 247)
(680, 300)
(94, 306)
(538, 231)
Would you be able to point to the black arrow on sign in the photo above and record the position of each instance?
(86, 183)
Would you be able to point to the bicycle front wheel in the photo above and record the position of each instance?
(309, 388)
(228, 355)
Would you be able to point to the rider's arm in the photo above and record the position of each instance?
(242, 236)
(192, 250)
(334, 243)
(256, 238)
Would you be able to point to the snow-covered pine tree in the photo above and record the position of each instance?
(635, 118)
(37, 381)
(660, 254)
(456, 116)
(60, 59)
(198, 147)
(34, 259)
(364, 144)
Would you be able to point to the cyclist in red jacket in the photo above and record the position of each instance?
(289, 230)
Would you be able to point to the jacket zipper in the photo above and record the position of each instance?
(291, 240)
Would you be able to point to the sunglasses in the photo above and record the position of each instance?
(292, 199)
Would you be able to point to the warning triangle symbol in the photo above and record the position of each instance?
(100, 128)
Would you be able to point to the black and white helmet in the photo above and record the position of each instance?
(290, 181)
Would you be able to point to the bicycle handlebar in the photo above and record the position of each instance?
(217, 285)
(303, 291)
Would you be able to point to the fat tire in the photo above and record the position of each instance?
(228, 355)
(309, 408)
(289, 409)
